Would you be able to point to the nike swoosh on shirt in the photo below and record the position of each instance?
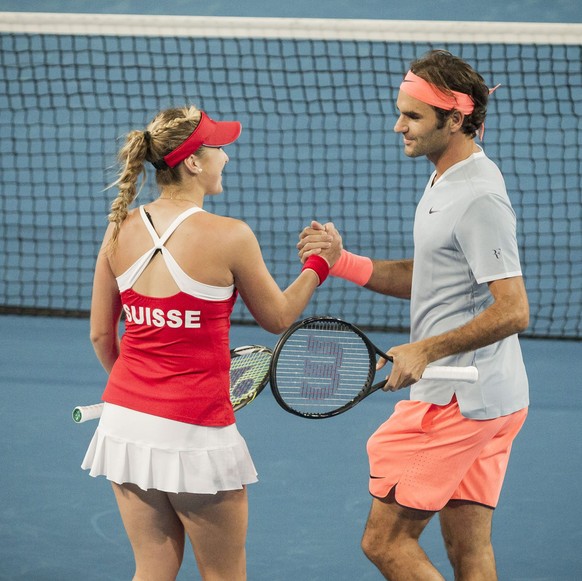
(431, 211)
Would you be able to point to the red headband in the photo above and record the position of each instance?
(430, 94)
(208, 132)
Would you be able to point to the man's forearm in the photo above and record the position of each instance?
(391, 277)
(498, 321)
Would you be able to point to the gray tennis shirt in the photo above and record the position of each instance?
(464, 237)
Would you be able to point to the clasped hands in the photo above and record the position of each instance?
(409, 360)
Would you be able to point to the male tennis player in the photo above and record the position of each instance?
(446, 449)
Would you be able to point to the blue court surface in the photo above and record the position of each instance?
(309, 508)
(307, 512)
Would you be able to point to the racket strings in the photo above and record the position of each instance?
(322, 367)
(248, 373)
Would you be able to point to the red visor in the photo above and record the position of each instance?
(207, 132)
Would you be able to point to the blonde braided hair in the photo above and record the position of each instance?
(165, 133)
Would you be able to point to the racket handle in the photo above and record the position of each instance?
(83, 413)
(470, 374)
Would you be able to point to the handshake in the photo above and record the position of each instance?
(325, 241)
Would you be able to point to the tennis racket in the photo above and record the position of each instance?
(323, 366)
(249, 373)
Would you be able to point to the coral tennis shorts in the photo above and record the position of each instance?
(433, 454)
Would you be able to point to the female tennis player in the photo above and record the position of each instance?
(167, 438)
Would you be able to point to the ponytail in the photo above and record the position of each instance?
(131, 158)
(167, 131)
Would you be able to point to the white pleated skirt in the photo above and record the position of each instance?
(154, 452)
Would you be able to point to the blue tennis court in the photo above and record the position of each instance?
(308, 510)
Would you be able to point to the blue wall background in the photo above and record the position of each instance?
(492, 10)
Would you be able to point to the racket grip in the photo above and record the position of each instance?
(84, 413)
(470, 374)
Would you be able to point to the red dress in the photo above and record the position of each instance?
(175, 357)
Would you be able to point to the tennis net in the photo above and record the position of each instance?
(316, 100)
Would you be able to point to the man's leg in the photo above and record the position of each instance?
(390, 541)
(466, 528)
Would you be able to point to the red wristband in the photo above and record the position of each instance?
(319, 265)
(352, 267)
